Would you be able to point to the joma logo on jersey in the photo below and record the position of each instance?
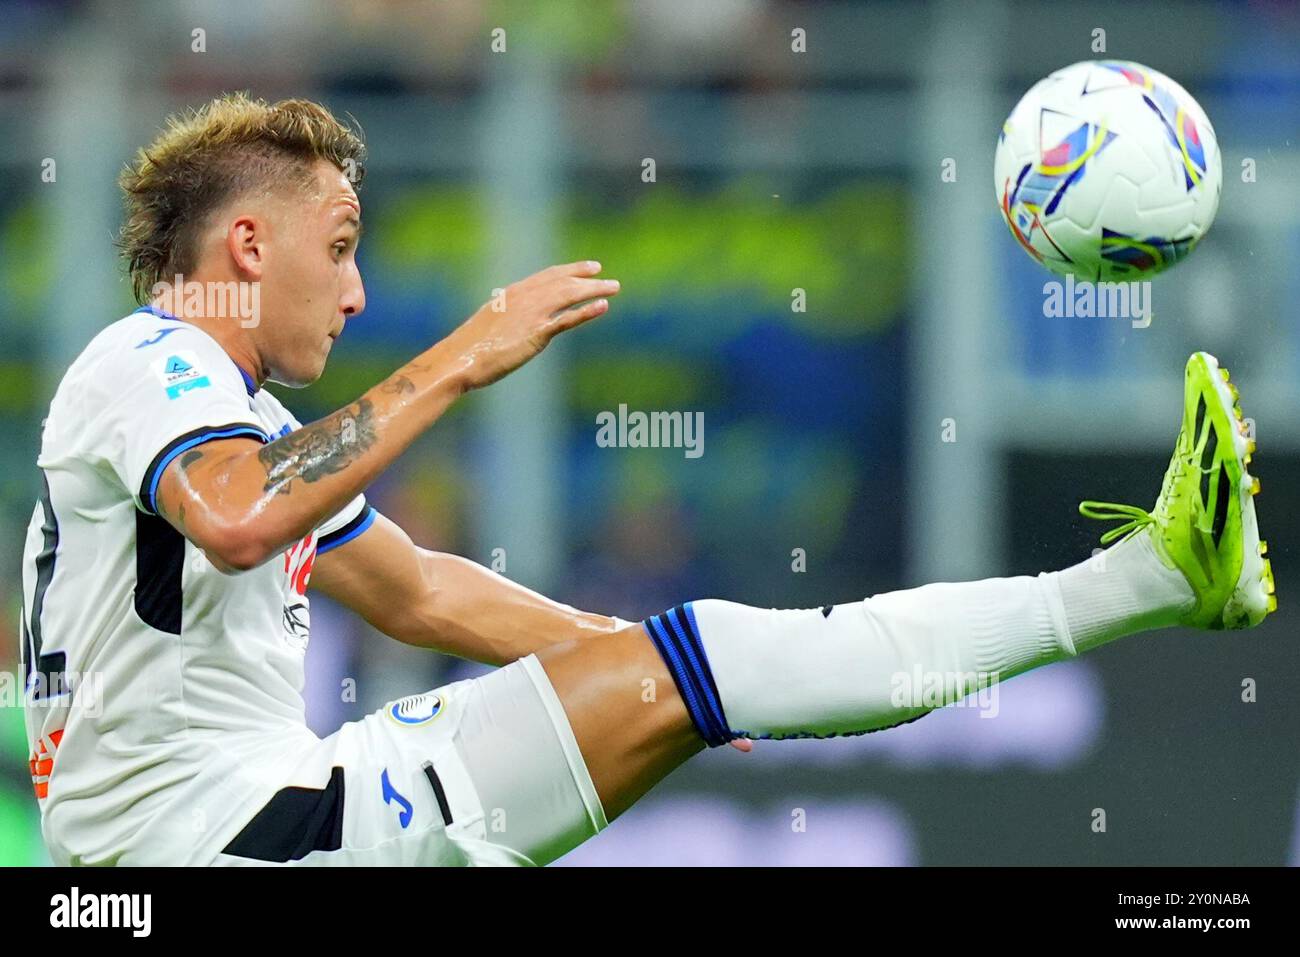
(180, 373)
(390, 794)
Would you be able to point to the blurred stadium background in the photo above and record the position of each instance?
(775, 171)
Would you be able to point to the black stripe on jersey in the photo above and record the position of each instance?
(51, 667)
(190, 439)
(295, 822)
(159, 562)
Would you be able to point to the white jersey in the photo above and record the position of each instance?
(159, 690)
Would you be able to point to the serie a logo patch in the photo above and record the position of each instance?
(179, 373)
(416, 709)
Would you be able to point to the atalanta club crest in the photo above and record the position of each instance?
(416, 709)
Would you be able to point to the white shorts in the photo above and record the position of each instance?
(478, 772)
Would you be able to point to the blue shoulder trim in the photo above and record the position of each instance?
(152, 475)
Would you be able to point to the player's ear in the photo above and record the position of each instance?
(245, 243)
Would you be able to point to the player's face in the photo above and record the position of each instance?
(311, 285)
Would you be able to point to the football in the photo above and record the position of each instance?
(1108, 170)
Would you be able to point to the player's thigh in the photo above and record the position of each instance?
(626, 713)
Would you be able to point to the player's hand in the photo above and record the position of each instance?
(743, 745)
(523, 318)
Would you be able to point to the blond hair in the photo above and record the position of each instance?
(206, 157)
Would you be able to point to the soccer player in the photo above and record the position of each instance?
(185, 514)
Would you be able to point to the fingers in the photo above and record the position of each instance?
(583, 267)
(571, 291)
(566, 319)
(559, 287)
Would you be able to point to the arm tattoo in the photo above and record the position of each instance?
(398, 385)
(320, 449)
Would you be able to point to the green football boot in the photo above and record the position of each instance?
(1204, 523)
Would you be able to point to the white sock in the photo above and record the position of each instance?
(751, 672)
(1121, 591)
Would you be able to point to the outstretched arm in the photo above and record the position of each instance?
(445, 602)
(242, 502)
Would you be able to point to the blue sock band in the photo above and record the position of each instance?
(677, 638)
